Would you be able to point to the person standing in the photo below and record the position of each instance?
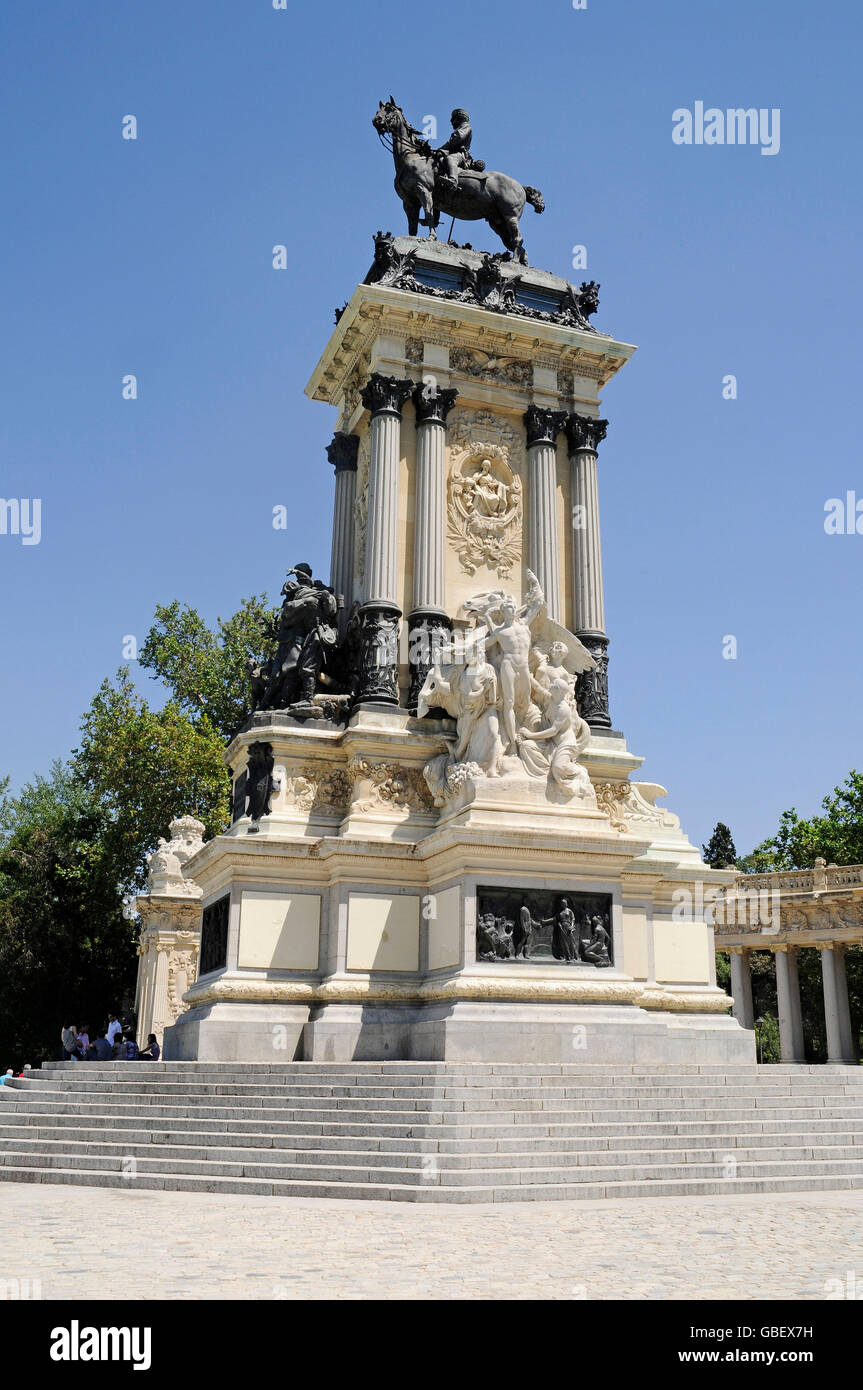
(68, 1038)
(114, 1027)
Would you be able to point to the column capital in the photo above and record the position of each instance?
(584, 432)
(342, 452)
(543, 425)
(433, 403)
(385, 395)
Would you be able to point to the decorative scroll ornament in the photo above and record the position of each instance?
(484, 510)
(626, 805)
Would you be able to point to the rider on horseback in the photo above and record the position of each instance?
(455, 152)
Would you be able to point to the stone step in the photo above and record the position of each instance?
(413, 1069)
(434, 1132)
(430, 1173)
(390, 1074)
(602, 1143)
(340, 1112)
(575, 1130)
(257, 1092)
(429, 1192)
(414, 1160)
(426, 1100)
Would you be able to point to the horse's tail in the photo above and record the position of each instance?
(535, 198)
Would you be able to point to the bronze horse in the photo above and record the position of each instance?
(495, 197)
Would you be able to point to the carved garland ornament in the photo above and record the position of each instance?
(309, 789)
(378, 786)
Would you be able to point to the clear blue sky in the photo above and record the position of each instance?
(153, 257)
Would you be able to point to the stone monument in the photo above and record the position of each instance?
(440, 848)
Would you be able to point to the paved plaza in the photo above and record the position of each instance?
(190, 1246)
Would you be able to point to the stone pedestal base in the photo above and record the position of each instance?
(476, 1031)
(227, 1032)
(464, 1031)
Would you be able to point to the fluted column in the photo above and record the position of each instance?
(741, 989)
(342, 454)
(428, 620)
(837, 1013)
(788, 999)
(543, 426)
(583, 435)
(384, 397)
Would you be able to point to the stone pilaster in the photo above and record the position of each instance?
(543, 426)
(342, 454)
(428, 621)
(584, 434)
(384, 397)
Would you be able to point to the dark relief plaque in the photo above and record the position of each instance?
(214, 936)
(518, 924)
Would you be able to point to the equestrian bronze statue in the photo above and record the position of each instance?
(450, 182)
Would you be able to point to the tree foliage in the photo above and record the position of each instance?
(207, 670)
(74, 845)
(66, 947)
(144, 767)
(719, 852)
(836, 836)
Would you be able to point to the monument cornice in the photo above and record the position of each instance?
(376, 309)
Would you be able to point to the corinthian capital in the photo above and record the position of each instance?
(543, 425)
(584, 432)
(385, 395)
(433, 403)
(342, 452)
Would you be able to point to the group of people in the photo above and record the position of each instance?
(111, 1046)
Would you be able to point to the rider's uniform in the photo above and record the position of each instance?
(456, 151)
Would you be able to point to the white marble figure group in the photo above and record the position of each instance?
(510, 686)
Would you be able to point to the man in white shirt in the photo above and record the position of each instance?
(114, 1027)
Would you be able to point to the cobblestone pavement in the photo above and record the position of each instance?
(197, 1245)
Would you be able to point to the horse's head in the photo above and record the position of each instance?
(388, 117)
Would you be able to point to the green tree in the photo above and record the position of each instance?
(207, 670)
(144, 767)
(66, 947)
(719, 852)
(836, 836)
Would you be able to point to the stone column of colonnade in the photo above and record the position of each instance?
(543, 426)
(428, 620)
(841, 1047)
(342, 454)
(383, 397)
(584, 434)
(741, 989)
(788, 1001)
(837, 1012)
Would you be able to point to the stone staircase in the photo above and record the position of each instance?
(435, 1131)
